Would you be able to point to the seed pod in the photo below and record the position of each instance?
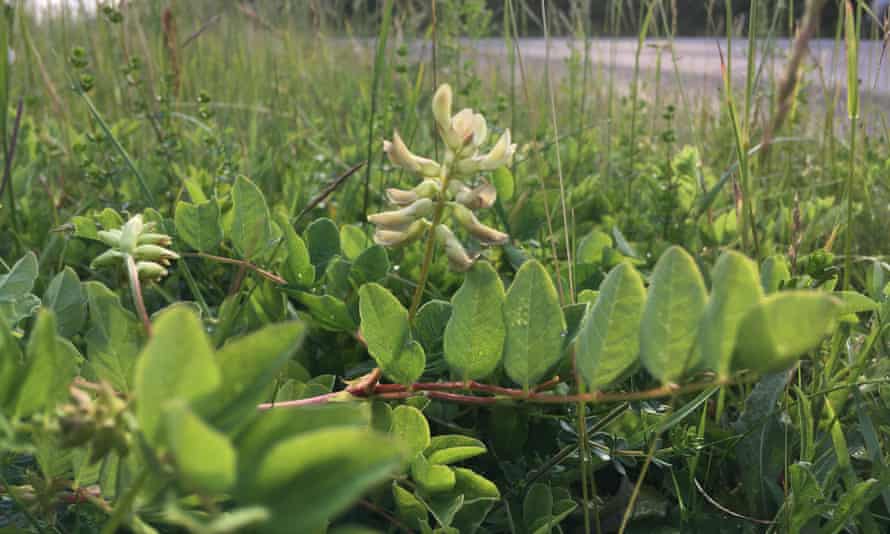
(109, 257)
(112, 238)
(149, 270)
(154, 253)
(485, 234)
(155, 239)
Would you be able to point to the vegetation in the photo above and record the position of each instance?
(233, 299)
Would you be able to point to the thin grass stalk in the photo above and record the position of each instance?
(379, 60)
(851, 35)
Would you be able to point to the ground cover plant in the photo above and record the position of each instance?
(326, 267)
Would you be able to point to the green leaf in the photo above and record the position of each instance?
(538, 503)
(534, 325)
(204, 457)
(372, 265)
(674, 307)
(330, 312)
(503, 182)
(19, 281)
(474, 486)
(429, 325)
(385, 328)
(608, 339)
(49, 369)
(408, 507)
(854, 302)
(774, 273)
(12, 369)
(592, 246)
(323, 239)
(66, 297)
(114, 338)
(271, 427)
(411, 428)
(199, 224)
(176, 364)
(248, 366)
(309, 478)
(735, 289)
(782, 328)
(853, 503)
(474, 336)
(432, 478)
(252, 229)
(297, 270)
(353, 241)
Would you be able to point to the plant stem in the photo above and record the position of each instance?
(242, 263)
(429, 246)
(7, 166)
(136, 290)
(445, 391)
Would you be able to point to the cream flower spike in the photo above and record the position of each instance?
(443, 193)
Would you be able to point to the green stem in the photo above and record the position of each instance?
(123, 506)
(430, 245)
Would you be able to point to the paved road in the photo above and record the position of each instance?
(698, 60)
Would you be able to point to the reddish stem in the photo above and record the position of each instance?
(320, 399)
(136, 289)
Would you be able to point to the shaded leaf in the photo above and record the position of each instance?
(534, 325)
(474, 336)
(608, 338)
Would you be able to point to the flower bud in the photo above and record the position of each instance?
(149, 270)
(400, 237)
(390, 220)
(500, 155)
(400, 156)
(112, 238)
(427, 189)
(458, 259)
(442, 107)
(400, 197)
(155, 253)
(109, 257)
(130, 233)
(155, 239)
(482, 197)
(485, 234)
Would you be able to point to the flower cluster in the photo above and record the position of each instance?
(443, 186)
(136, 239)
(103, 421)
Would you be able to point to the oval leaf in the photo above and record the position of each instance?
(251, 221)
(608, 339)
(176, 364)
(673, 311)
(199, 224)
(534, 324)
(735, 289)
(474, 337)
(204, 457)
(782, 328)
(411, 428)
(386, 330)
